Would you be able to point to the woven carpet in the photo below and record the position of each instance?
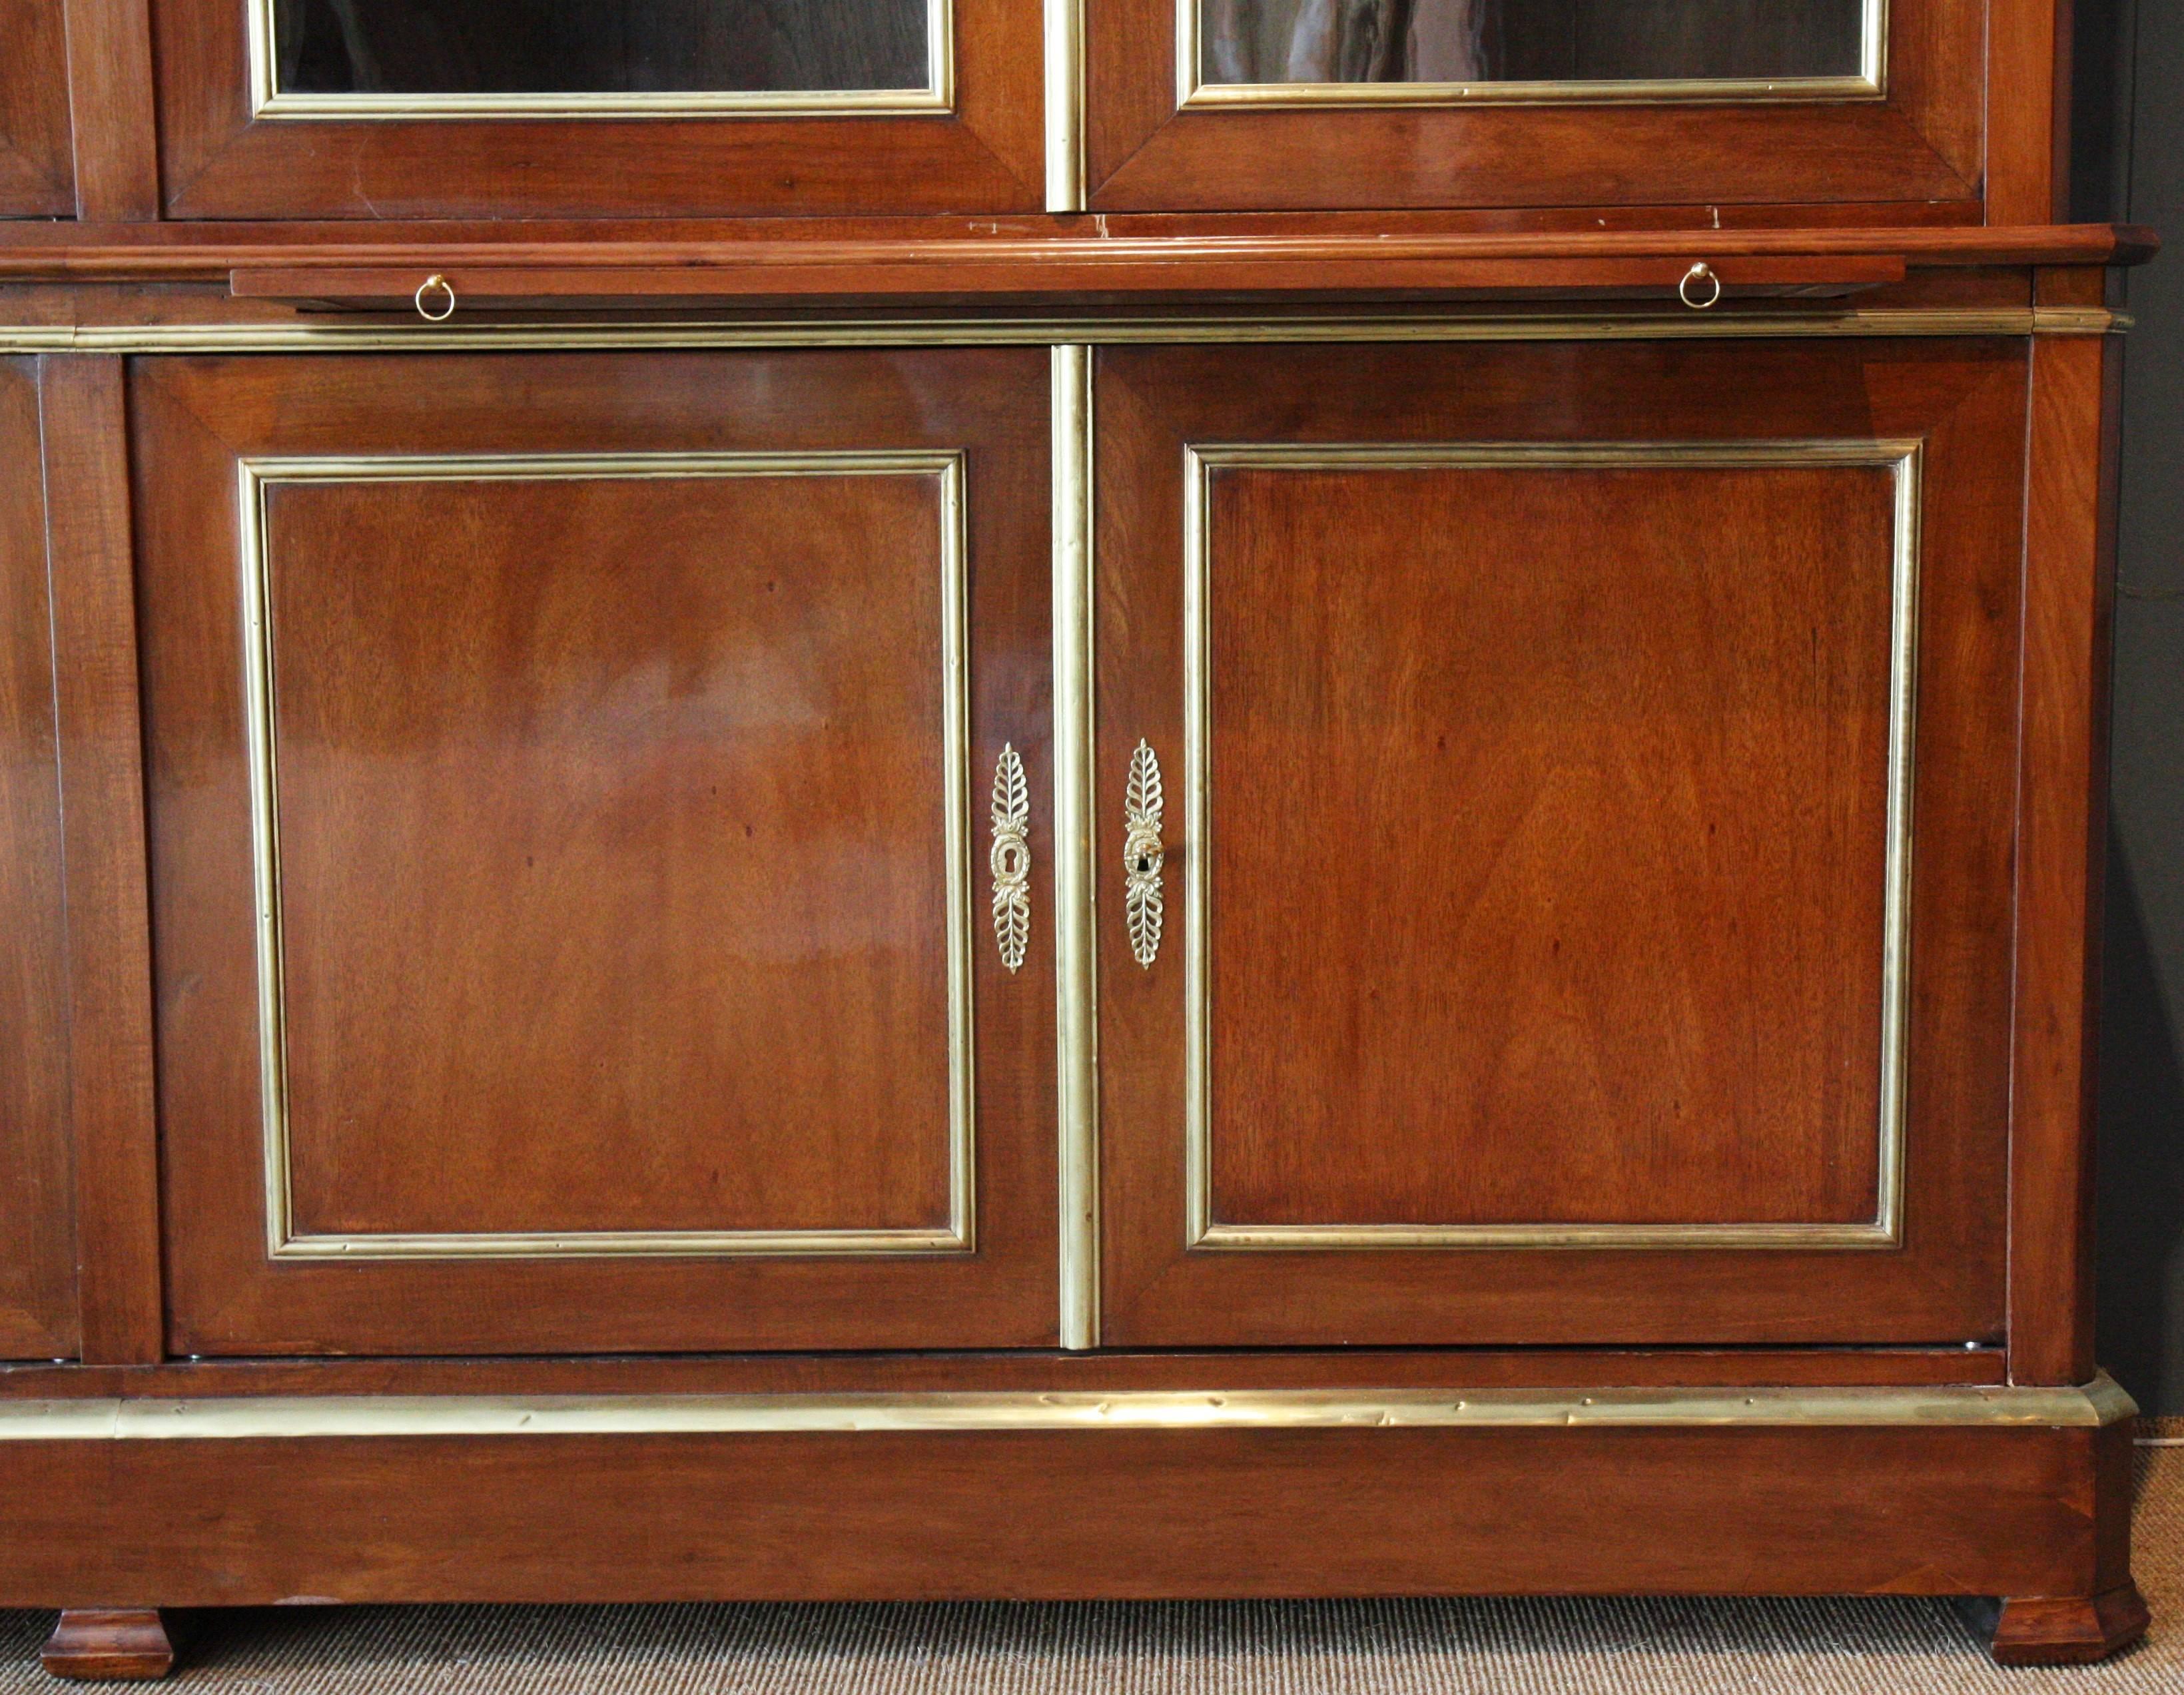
(1845, 1647)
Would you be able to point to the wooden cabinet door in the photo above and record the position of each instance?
(37, 174)
(1583, 778)
(1230, 104)
(37, 1234)
(395, 108)
(570, 823)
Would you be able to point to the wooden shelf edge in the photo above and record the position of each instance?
(1044, 256)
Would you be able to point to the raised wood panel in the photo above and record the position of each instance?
(1549, 827)
(37, 1237)
(36, 173)
(1922, 142)
(218, 160)
(1508, 751)
(613, 908)
(613, 852)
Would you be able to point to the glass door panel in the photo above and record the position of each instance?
(483, 56)
(1383, 50)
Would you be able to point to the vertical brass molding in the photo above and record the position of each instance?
(1064, 105)
(265, 861)
(1197, 874)
(1075, 981)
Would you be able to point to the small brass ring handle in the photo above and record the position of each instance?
(1703, 274)
(1143, 905)
(446, 288)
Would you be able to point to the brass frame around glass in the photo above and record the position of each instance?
(255, 476)
(1870, 83)
(938, 94)
(1884, 1230)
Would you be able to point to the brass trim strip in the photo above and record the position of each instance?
(1869, 84)
(2091, 1407)
(415, 336)
(1077, 1018)
(938, 94)
(1064, 105)
(1884, 1230)
(254, 476)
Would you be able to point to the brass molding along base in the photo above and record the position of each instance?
(387, 335)
(2090, 1406)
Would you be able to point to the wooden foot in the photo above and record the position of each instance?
(101, 1643)
(2070, 1630)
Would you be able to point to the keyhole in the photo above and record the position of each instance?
(1144, 864)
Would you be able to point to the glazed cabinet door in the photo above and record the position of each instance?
(577, 787)
(1377, 103)
(1551, 888)
(37, 175)
(395, 108)
(37, 1239)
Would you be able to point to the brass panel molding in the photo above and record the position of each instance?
(1901, 458)
(2091, 1407)
(413, 335)
(283, 1240)
(1076, 982)
(1870, 83)
(938, 95)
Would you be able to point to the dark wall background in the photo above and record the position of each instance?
(2128, 163)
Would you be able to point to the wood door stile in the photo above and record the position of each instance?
(38, 1318)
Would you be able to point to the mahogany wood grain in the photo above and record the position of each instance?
(568, 949)
(610, 816)
(1923, 141)
(1021, 1370)
(219, 162)
(90, 525)
(111, 93)
(2062, 820)
(36, 176)
(1048, 254)
(1104, 269)
(2028, 147)
(1966, 402)
(37, 1203)
(1578, 864)
(1107, 1515)
(109, 1645)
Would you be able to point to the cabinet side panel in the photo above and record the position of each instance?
(38, 1259)
(2061, 821)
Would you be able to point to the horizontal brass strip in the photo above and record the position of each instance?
(419, 337)
(631, 1244)
(2098, 1403)
(1650, 91)
(1596, 1237)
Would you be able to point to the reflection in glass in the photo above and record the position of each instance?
(1529, 41)
(597, 47)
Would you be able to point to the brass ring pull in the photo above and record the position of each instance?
(1143, 906)
(446, 288)
(1699, 273)
(1009, 860)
